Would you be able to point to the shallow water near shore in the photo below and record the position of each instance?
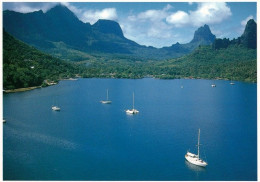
(88, 140)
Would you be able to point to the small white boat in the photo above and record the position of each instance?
(195, 159)
(232, 83)
(132, 111)
(55, 108)
(213, 85)
(106, 101)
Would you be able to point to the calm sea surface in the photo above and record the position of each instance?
(88, 140)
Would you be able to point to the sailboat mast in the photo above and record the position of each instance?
(133, 100)
(199, 144)
(107, 94)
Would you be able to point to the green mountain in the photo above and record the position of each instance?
(224, 59)
(24, 66)
(247, 39)
(202, 36)
(60, 33)
(232, 60)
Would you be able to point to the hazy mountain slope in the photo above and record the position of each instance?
(59, 31)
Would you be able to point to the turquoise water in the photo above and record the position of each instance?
(88, 140)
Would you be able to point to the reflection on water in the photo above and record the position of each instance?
(194, 167)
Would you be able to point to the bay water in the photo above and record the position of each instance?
(88, 140)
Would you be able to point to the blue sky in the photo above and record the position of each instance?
(158, 24)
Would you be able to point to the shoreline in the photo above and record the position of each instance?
(32, 88)
(21, 89)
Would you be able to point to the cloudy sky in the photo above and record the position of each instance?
(158, 24)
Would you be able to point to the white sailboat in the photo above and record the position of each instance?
(132, 111)
(106, 101)
(232, 83)
(195, 159)
(55, 108)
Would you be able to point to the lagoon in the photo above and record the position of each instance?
(88, 140)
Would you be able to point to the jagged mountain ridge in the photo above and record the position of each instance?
(247, 39)
(203, 35)
(59, 29)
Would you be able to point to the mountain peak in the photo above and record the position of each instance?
(59, 7)
(248, 38)
(206, 27)
(108, 27)
(203, 35)
(61, 11)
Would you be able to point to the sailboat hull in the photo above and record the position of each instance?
(193, 159)
(106, 102)
(132, 111)
(55, 108)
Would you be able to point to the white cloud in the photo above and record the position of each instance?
(27, 7)
(155, 25)
(179, 18)
(72, 8)
(83, 14)
(206, 13)
(93, 15)
(210, 13)
(159, 30)
(151, 15)
(218, 33)
(244, 22)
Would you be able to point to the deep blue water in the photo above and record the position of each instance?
(88, 140)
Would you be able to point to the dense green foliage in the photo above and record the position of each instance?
(24, 66)
(234, 63)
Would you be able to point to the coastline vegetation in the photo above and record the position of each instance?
(233, 63)
(25, 66)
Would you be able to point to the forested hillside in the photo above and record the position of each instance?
(234, 63)
(24, 66)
